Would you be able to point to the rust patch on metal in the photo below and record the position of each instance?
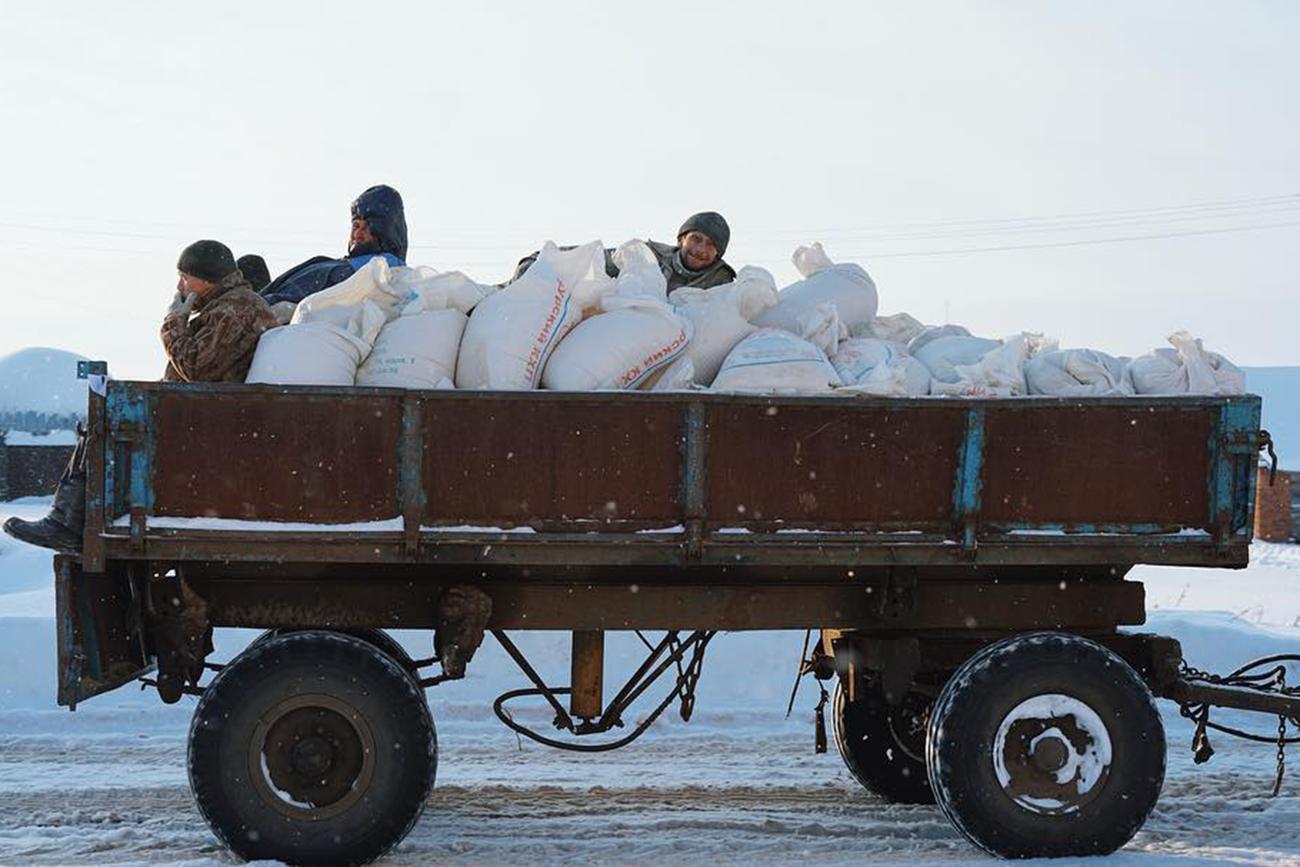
(278, 457)
(593, 605)
(99, 641)
(534, 462)
(1096, 465)
(832, 466)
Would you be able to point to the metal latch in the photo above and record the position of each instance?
(1266, 444)
(899, 597)
(87, 369)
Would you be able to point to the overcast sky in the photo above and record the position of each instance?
(910, 137)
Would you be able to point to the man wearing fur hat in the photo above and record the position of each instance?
(695, 260)
(209, 334)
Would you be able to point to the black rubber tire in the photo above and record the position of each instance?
(377, 637)
(387, 731)
(873, 740)
(986, 694)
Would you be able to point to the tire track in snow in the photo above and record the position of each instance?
(479, 817)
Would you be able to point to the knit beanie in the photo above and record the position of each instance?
(207, 260)
(710, 224)
(254, 269)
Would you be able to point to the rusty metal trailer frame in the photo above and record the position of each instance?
(954, 521)
(958, 520)
(987, 482)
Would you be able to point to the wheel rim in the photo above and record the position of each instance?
(311, 757)
(1052, 754)
(907, 724)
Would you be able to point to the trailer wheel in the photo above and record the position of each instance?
(378, 637)
(883, 746)
(1046, 745)
(312, 748)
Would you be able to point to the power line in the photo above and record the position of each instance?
(1175, 214)
(1075, 215)
(1064, 220)
(1083, 243)
(1051, 228)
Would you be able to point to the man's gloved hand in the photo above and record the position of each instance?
(182, 304)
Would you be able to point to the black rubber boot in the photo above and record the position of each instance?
(62, 528)
(45, 533)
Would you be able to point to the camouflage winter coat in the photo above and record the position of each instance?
(216, 343)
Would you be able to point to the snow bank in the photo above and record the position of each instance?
(53, 438)
(42, 380)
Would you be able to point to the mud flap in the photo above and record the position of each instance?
(100, 641)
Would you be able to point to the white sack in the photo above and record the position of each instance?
(1077, 373)
(943, 354)
(999, 372)
(809, 260)
(360, 305)
(774, 361)
(678, 376)
(415, 350)
(1186, 369)
(310, 353)
(720, 317)
(638, 271)
(620, 347)
(899, 328)
(439, 290)
(635, 333)
(847, 286)
(878, 367)
(513, 332)
(823, 327)
(932, 333)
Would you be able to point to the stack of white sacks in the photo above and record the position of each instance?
(383, 326)
(566, 325)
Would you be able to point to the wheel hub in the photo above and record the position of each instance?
(1052, 754)
(312, 757)
(907, 724)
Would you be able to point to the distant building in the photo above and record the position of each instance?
(1295, 506)
(39, 422)
(1277, 507)
(31, 463)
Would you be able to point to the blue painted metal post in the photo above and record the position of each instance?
(410, 483)
(968, 484)
(1232, 476)
(694, 454)
(129, 421)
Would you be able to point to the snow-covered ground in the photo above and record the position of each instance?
(739, 784)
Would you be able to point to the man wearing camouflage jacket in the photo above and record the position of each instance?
(209, 334)
(214, 322)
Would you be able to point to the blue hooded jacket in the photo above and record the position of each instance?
(381, 207)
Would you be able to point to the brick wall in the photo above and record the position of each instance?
(32, 471)
(1274, 521)
(1295, 505)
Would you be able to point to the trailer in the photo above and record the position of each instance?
(961, 563)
